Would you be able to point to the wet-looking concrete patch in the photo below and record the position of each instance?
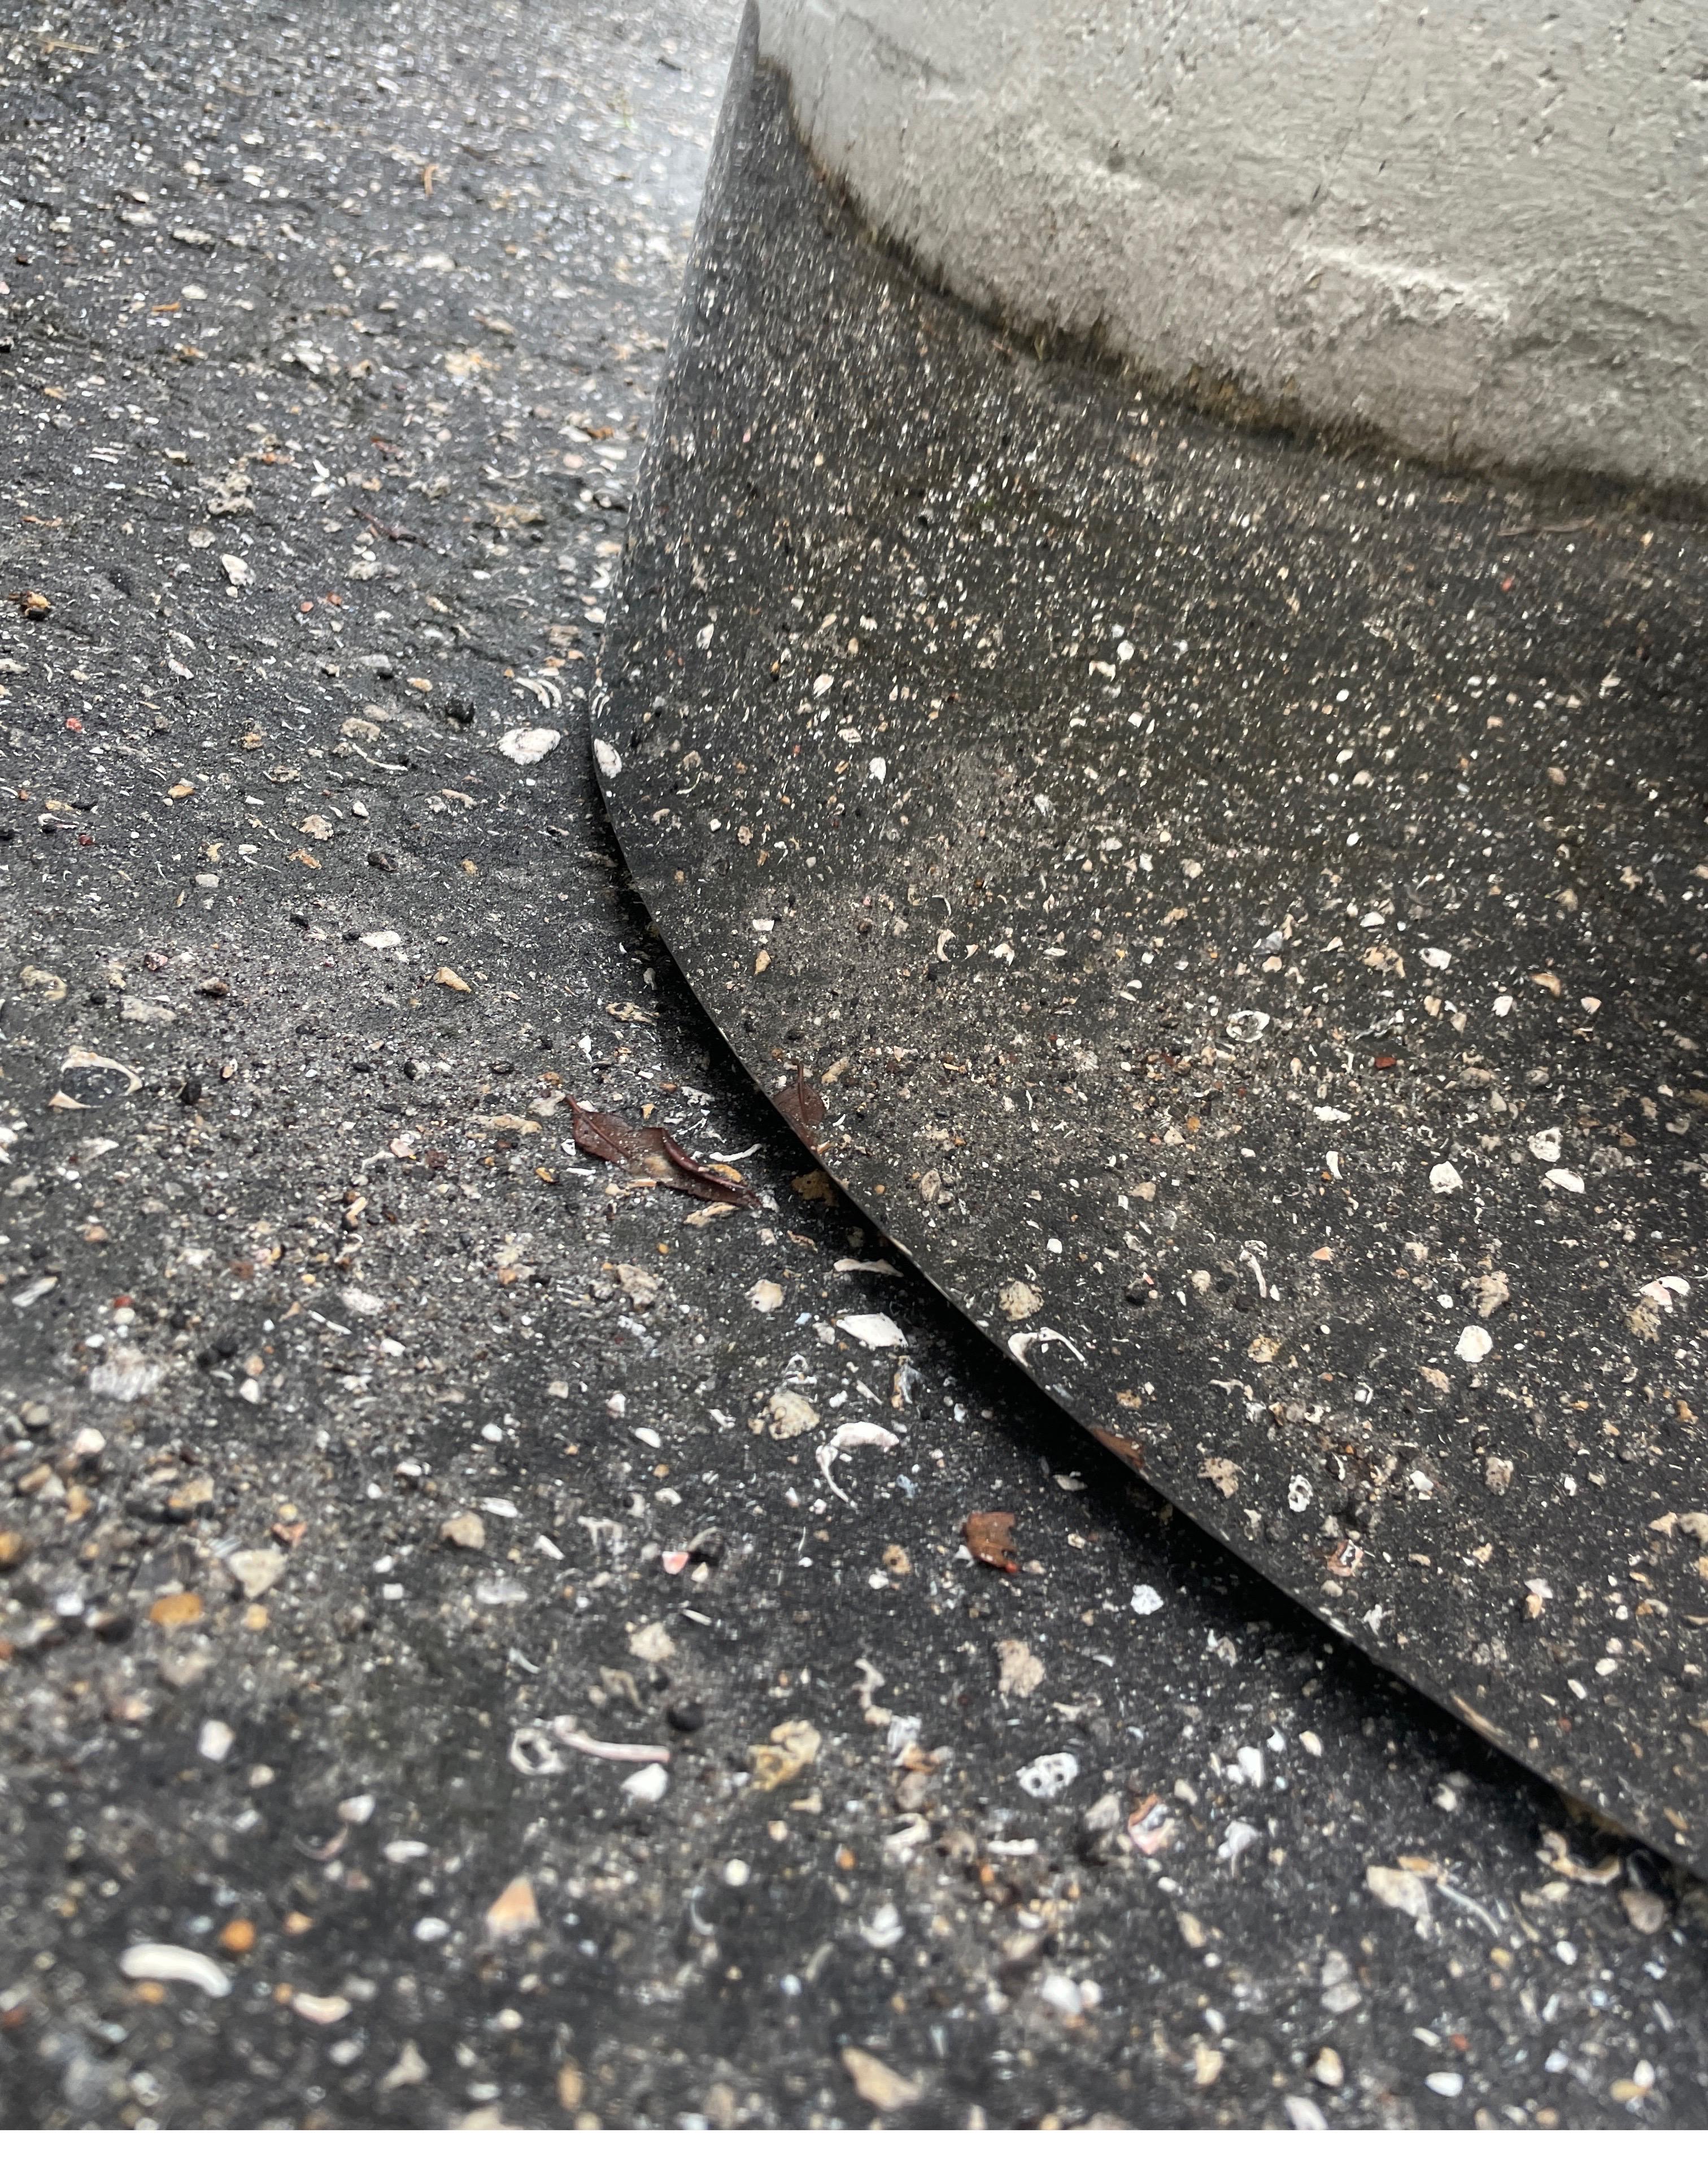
(1237, 902)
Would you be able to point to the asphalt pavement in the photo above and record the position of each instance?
(488, 1634)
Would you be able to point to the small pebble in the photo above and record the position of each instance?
(648, 1785)
(215, 1740)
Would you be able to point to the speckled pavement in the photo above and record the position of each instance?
(372, 1459)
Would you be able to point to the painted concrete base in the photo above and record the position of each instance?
(1484, 238)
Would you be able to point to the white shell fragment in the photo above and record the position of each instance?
(1247, 1026)
(1401, 1890)
(872, 1329)
(532, 1754)
(1445, 1178)
(1046, 1777)
(1474, 1345)
(1562, 1177)
(848, 1436)
(1545, 1144)
(609, 764)
(175, 1965)
(528, 745)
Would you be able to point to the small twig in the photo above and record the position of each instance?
(384, 529)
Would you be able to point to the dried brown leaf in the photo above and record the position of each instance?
(653, 1155)
(990, 1540)
(801, 1107)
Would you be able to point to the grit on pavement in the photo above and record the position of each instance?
(486, 1639)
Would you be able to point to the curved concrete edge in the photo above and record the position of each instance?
(1483, 241)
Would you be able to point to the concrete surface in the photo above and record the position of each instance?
(323, 1302)
(1479, 235)
(1241, 906)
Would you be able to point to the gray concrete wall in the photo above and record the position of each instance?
(1483, 232)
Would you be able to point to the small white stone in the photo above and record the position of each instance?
(257, 1572)
(215, 1740)
(1445, 1179)
(884, 1928)
(647, 1784)
(1063, 1993)
(609, 764)
(1545, 1144)
(1562, 1177)
(1238, 1837)
(528, 745)
(789, 1413)
(1474, 1344)
(765, 1296)
(1145, 1600)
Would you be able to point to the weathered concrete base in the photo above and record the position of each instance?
(1241, 907)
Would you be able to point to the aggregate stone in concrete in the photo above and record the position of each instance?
(445, 1680)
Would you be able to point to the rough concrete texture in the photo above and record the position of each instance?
(357, 1430)
(1242, 908)
(1478, 235)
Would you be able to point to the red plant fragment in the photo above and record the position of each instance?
(801, 1107)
